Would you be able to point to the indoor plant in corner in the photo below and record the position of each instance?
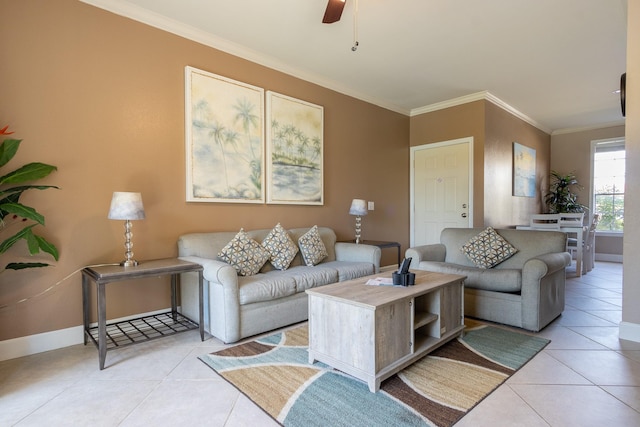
(560, 198)
(14, 214)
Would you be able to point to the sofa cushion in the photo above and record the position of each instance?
(348, 270)
(488, 249)
(281, 248)
(499, 280)
(245, 254)
(309, 277)
(311, 246)
(265, 287)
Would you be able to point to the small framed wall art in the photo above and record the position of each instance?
(524, 171)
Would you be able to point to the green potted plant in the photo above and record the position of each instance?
(560, 198)
(14, 214)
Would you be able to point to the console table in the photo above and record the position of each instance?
(110, 336)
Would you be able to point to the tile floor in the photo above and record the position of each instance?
(586, 376)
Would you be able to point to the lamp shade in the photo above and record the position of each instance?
(358, 207)
(125, 205)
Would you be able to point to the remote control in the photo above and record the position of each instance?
(404, 267)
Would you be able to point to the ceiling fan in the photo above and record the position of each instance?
(333, 13)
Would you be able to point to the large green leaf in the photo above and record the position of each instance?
(8, 149)
(22, 234)
(22, 211)
(24, 265)
(47, 247)
(28, 172)
(34, 242)
(12, 195)
(16, 191)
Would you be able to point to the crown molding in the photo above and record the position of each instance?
(136, 13)
(478, 96)
(587, 128)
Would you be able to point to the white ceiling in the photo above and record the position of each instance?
(555, 62)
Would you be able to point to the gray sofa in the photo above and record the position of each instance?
(526, 290)
(237, 306)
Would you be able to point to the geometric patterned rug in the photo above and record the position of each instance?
(437, 390)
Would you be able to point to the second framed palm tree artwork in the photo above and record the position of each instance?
(294, 151)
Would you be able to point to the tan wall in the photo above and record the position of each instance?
(571, 152)
(631, 285)
(493, 130)
(102, 98)
(502, 209)
(453, 123)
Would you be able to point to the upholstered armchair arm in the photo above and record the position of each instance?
(358, 253)
(435, 252)
(543, 282)
(538, 267)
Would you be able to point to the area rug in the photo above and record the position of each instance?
(437, 390)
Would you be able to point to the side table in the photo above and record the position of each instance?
(380, 244)
(108, 337)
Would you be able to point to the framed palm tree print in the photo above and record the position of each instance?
(294, 151)
(224, 121)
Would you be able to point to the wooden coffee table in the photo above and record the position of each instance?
(372, 332)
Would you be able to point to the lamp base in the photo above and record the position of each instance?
(129, 263)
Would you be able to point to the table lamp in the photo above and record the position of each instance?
(359, 209)
(127, 206)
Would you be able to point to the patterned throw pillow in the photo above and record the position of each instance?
(281, 248)
(312, 247)
(488, 249)
(245, 254)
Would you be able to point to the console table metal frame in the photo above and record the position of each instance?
(175, 322)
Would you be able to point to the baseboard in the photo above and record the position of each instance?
(32, 344)
(629, 331)
(609, 257)
(38, 343)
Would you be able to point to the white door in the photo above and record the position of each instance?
(441, 189)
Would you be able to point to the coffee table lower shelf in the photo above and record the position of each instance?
(127, 332)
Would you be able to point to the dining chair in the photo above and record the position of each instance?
(545, 221)
(589, 251)
(571, 219)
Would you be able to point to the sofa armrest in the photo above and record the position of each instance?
(536, 268)
(215, 271)
(358, 253)
(435, 252)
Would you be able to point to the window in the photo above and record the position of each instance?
(608, 184)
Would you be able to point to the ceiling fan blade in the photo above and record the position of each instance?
(333, 12)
